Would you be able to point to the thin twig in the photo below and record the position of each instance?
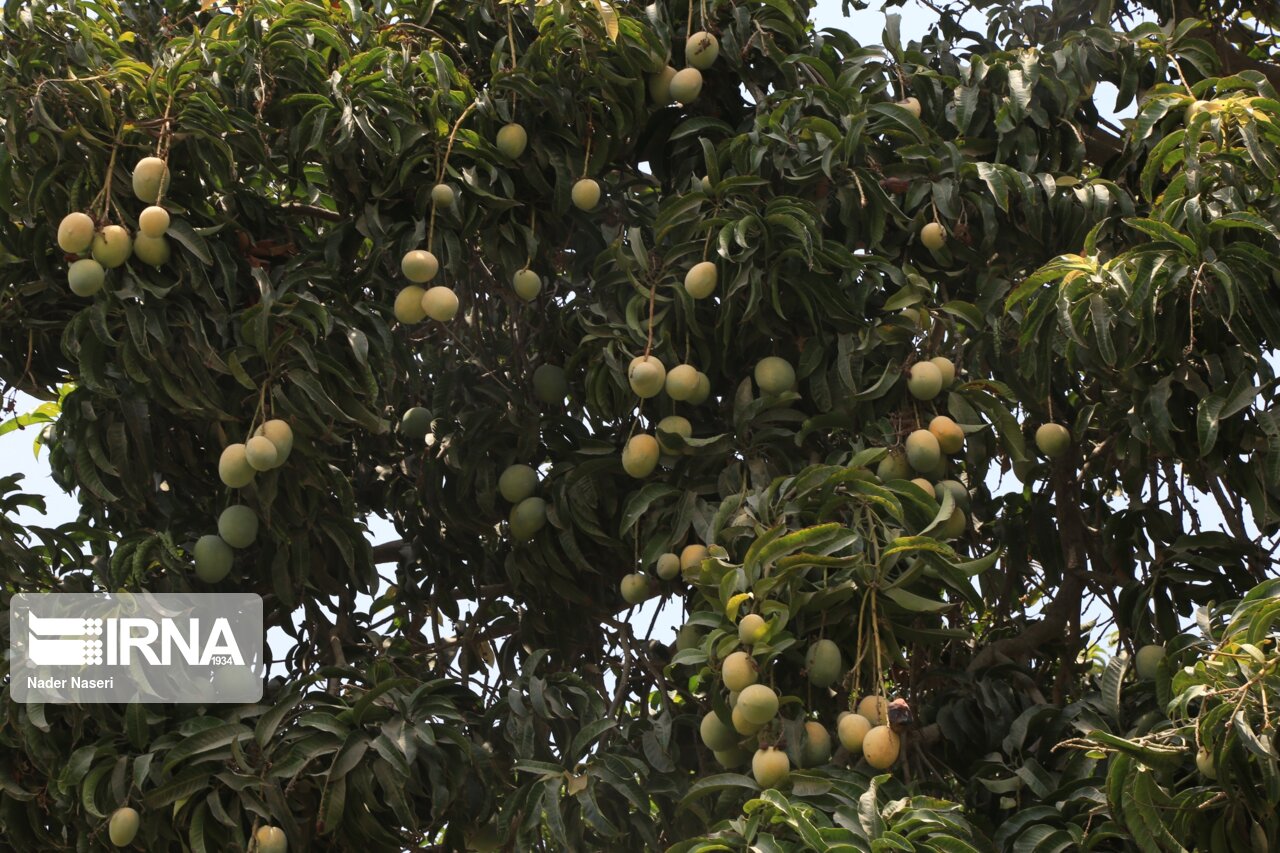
(300, 209)
(653, 298)
(444, 163)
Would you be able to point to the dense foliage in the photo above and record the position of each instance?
(1118, 281)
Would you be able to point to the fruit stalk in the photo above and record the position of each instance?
(444, 163)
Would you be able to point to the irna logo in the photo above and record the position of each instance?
(143, 647)
(60, 641)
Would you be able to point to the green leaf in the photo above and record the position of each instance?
(89, 788)
(701, 126)
(332, 805)
(349, 756)
(869, 810)
(135, 724)
(714, 784)
(1160, 758)
(1207, 412)
(1100, 314)
(809, 537)
(896, 119)
(1160, 231)
(973, 568)
(996, 184)
(966, 100)
(205, 741)
(190, 240)
(1008, 429)
(1112, 684)
(270, 721)
(910, 544)
(640, 502)
(587, 736)
(363, 705)
(1244, 219)
(181, 788)
(1259, 745)
(888, 379)
(914, 603)
(542, 768)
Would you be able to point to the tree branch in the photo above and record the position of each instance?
(388, 552)
(1058, 613)
(1100, 146)
(1235, 60)
(1231, 57)
(300, 209)
(27, 386)
(1229, 512)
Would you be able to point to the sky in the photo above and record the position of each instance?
(16, 454)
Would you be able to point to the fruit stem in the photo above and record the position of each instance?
(1173, 59)
(453, 134)
(862, 194)
(706, 244)
(862, 652)
(163, 139)
(653, 294)
(162, 142)
(259, 414)
(105, 194)
(162, 146)
(511, 40)
(822, 624)
(533, 235)
(586, 160)
(875, 632)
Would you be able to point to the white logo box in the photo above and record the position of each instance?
(86, 648)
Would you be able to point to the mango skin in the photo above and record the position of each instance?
(123, 826)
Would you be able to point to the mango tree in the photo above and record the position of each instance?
(919, 394)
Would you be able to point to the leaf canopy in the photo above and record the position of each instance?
(1116, 279)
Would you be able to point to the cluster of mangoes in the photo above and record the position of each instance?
(100, 246)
